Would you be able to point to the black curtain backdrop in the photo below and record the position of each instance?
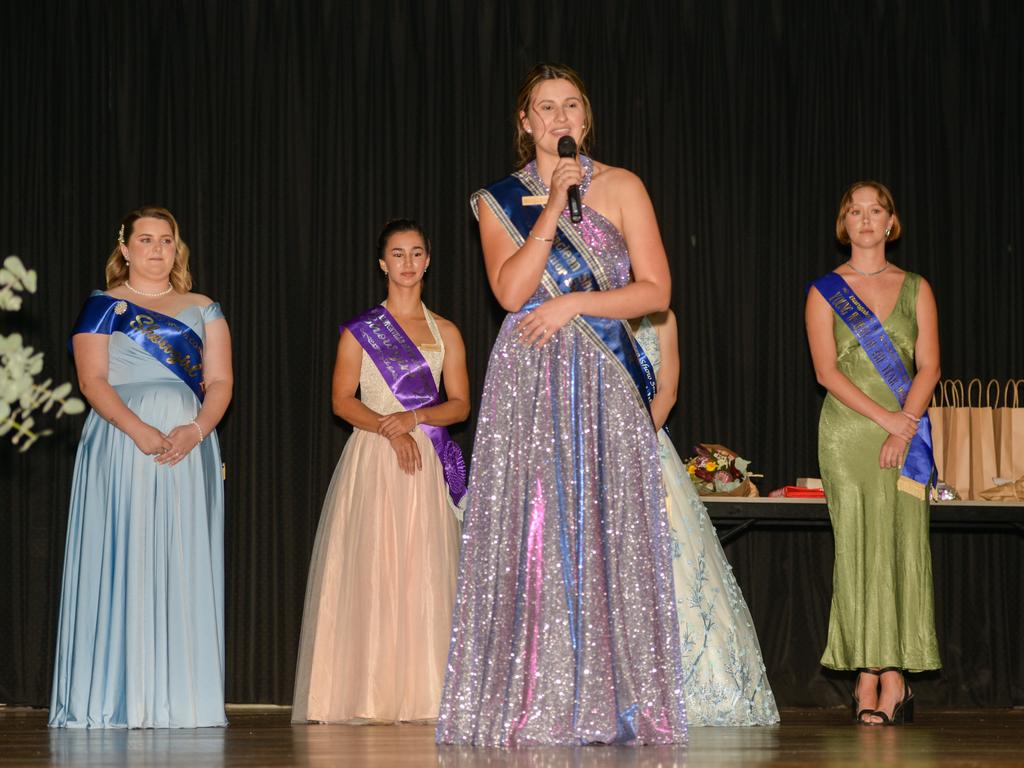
(283, 134)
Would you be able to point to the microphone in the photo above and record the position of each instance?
(567, 148)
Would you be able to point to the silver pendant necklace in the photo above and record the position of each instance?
(850, 265)
(164, 292)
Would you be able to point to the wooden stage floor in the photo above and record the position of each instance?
(262, 736)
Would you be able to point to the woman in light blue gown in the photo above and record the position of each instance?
(724, 676)
(141, 627)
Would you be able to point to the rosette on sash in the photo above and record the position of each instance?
(170, 342)
(453, 464)
(918, 465)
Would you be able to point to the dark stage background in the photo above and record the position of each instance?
(283, 134)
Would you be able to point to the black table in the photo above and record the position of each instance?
(733, 516)
(784, 565)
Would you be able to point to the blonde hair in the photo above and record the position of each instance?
(117, 268)
(524, 145)
(884, 199)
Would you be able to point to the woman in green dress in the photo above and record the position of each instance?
(873, 333)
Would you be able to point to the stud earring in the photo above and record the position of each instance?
(887, 232)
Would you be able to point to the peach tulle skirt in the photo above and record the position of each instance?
(378, 608)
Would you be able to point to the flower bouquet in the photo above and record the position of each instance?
(718, 471)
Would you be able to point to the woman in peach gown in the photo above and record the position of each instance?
(382, 578)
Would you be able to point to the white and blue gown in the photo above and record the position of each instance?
(724, 676)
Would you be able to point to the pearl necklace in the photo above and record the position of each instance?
(862, 274)
(164, 292)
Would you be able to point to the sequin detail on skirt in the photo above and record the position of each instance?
(565, 629)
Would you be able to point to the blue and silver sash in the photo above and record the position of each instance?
(919, 464)
(169, 341)
(570, 267)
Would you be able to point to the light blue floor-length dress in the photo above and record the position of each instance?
(141, 626)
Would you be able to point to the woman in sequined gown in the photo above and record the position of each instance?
(382, 576)
(882, 617)
(723, 673)
(565, 628)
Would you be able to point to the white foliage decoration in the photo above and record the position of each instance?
(22, 398)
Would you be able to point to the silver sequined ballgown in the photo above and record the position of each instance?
(565, 629)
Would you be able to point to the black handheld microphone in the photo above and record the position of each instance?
(567, 148)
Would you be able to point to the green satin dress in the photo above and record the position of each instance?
(882, 609)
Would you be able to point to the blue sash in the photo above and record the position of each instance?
(571, 267)
(169, 341)
(919, 464)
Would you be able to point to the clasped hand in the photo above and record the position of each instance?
(537, 327)
(167, 449)
(396, 428)
(407, 453)
(395, 424)
(901, 428)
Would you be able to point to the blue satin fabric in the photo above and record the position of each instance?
(141, 623)
(919, 464)
(570, 270)
(169, 341)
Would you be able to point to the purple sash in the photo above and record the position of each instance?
(408, 376)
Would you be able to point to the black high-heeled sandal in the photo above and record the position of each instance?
(858, 713)
(903, 712)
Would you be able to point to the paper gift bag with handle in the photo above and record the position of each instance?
(983, 436)
(1009, 428)
(957, 460)
(1005, 492)
(937, 417)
